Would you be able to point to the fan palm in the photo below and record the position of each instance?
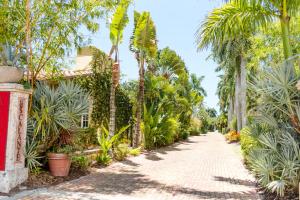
(143, 43)
(119, 22)
(169, 64)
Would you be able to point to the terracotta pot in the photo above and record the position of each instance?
(10, 74)
(59, 164)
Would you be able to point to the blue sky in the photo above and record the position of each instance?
(176, 23)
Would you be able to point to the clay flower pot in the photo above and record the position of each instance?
(10, 74)
(59, 164)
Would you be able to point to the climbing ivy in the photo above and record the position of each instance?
(98, 85)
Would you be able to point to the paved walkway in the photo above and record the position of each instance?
(204, 167)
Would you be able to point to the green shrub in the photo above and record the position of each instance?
(276, 161)
(121, 151)
(248, 141)
(159, 129)
(184, 134)
(81, 162)
(135, 152)
(103, 159)
(195, 128)
(86, 138)
(106, 143)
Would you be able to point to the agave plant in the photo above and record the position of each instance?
(57, 112)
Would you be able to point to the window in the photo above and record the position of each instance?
(85, 121)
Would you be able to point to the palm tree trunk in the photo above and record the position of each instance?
(243, 91)
(237, 99)
(285, 33)
(112, 111)
(140, 102)
(230, 111)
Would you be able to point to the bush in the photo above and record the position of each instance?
(159, 129)
(232, 136)
(276, 161)
(135, 152)
(121, 151)
(248, 141)
(81, 162)
(184, 134)
(106, 143)
(103, 159)
(195, 128)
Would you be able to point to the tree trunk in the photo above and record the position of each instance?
(140, 103)
(285, 33)
(243, 91)
(230, 111)
(237, 98)
(28, 39)
(112, 111)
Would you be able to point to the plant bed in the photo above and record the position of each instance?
(45, 179)
(267, 195)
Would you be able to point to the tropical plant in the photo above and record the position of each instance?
(159, 129)
(121, 151)
(117, 25)
(135, 151)
(144, 44)
(263, 12)
(56, 113)
(229, 50)
(276, 161)
(32, 156)
(106, 143)
(168, 64)
(81, 162)
(275, 156)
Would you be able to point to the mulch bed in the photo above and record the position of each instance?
(44, 179)
(266, 195)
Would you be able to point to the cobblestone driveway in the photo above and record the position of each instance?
(204, 167)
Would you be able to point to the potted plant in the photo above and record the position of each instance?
(56, 116)
(11, 45)
(59, 160)
(10, 72)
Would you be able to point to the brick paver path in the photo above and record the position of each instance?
(204, 167)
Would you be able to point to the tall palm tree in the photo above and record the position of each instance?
(117, 25)
(143, 43)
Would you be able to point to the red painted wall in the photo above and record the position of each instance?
(4, 114)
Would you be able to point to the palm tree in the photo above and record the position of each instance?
(168, 64)
(230, 42)
(118, 23)
(259, 13)
(143, 43)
